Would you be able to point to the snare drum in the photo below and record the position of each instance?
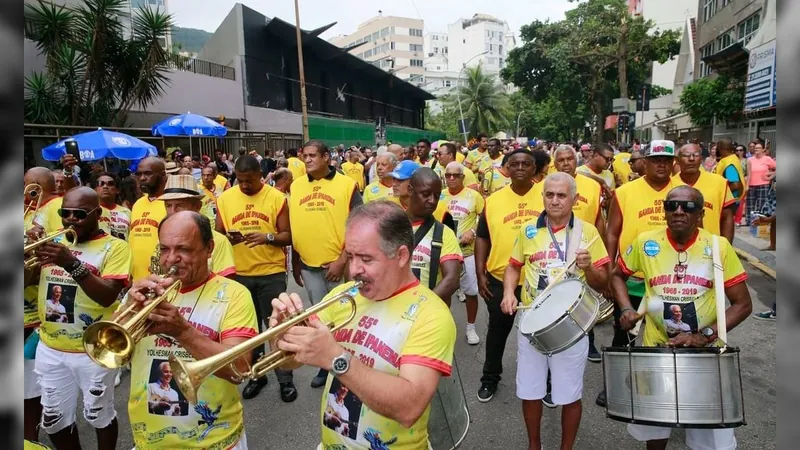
(561, 317)
(674, 387)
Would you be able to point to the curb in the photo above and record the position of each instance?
(753, 261)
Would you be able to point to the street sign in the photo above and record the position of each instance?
(462, 126)
(760, 89)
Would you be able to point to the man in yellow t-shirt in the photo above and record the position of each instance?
(489, 164)
(401, 339)
(210, 187)
(505, 212)
(318, 209)
(381, 189)
(254, 217)
(719, 200)
(448, 154)
(115, 219)
(354, 169)
(621, 165)
(465, 206)
(80, 285)
(542, 250)
(678, 264)
(211, 314)
(730, 168)
(476, 156)
(146, 214)
(401, 180)
(297, 167)
(425, 190)
(597, 166)
(638, 207)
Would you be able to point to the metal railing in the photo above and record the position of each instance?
(194, 65)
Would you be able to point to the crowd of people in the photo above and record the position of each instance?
(415, 226)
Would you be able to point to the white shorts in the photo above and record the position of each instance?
(62, 375)
(468, 280)
(696, 439)
(566, 371)
(241, 445)
(32, 389)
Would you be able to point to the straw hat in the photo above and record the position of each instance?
(170, 167)
(181, 186)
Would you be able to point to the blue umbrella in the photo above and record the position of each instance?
(189, 125)
(96, 145)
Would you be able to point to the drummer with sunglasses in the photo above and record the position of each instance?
(115, 219)
(677, 263)
(87, 278)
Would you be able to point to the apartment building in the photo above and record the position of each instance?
(392, 43)
(481, 39)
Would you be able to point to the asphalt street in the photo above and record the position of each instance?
(272, 424)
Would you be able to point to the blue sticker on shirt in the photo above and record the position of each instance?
(651, 248)
(375, 189)
(530, 231)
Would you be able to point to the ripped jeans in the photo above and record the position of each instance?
(61, 376)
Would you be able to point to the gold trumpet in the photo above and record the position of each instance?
(190, 375)
(31, 262)
(32, 192)
(110, 343)
(486, 182)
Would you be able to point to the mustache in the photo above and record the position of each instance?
(361, 278)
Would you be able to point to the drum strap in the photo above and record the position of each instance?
(436, 248)
(574, 241)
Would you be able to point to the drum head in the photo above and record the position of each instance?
(552, 306)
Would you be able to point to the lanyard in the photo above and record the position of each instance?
(561, 255)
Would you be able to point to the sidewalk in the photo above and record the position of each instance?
(749, 248)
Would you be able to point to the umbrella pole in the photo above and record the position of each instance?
(191, 153)
(105, 165)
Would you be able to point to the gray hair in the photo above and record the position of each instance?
(455, 165)
(390, 156)
(564, 147)
(561, 177)
(392, 223)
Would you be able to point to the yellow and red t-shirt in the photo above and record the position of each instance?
(605, 175)
(475, 157)
(146, 214)
(413, 326)
(378, 191)
(732, 160)
(460, 157)
(47, 217)
(421, 257)
(717, 196)
(220, 309)
(465, 206)
(686, 289)
(587, 203)
(318, 211)
(534, 252)
(116, 221)
(622, 168)
(356, 172)
(499, 181)
(254, 214)
(470, 180)
(221, 184)
(297, 167)
(65, 310)
(221, 261)
(489, 163)
(504, 214)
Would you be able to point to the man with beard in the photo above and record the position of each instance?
(505, 212)
(381, 189)
(95, 269)
(437, 256)
(146, 214)
(116, 219)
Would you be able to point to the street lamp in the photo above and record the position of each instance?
(460, 111)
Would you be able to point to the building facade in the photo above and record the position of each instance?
(392, 43)
(481, 39)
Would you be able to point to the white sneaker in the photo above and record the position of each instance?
(118, 380)
(472, 336)
(461, 297)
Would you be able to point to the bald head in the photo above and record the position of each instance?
(396, 150)
(153, 164)
(454, 167)
(424, 175)
(81, 197)
(43, 177)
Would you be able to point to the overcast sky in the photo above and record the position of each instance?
(437, 14)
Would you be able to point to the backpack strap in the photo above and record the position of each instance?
(436, 253)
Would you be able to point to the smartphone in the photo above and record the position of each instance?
(236, 235)
(72, 149)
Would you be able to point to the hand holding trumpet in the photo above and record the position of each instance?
(312, 344)
(165, 318)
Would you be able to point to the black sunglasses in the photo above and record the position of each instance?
(688, 206)
(78, 213)
(109, 183)
(453, 175)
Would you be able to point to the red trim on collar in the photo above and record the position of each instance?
(187, 289)
(402, 289)
(386, 185)
(456, 193)
(677, 246)
(557, 229)
(417, 223)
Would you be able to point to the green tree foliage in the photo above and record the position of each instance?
(191, 40)
(484, 102)
(721, 97)
(93, 75)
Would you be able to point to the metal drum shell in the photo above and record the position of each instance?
(570, 327)
(676, 387)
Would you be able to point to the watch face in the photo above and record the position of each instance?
(708, 332)
(340, 365)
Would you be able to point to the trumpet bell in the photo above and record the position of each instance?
(108, 344)
(188, 382)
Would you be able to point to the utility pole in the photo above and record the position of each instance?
(303, 106)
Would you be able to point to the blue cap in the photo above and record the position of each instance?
(404, 170)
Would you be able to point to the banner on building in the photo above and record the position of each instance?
(760, 91)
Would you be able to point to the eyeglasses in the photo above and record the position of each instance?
(688, 206)
(78, 213)
(109, 183)
(452, 175)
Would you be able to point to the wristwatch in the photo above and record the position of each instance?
(708, 333)
(270, 238)
(341, 363)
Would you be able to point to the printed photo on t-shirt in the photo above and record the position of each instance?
(342, 410)
(679, 318)
(60, 304)
(163, 396)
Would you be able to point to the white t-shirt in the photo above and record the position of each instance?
(51, 305)
(672, 325)
(343, 413)
(155, 389)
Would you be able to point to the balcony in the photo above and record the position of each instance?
(200, 67)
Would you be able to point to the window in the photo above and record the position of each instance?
(445, 50)
(367, 53)
(446, 83)
(385, 32)
(368, 39)
(375, 35)
(415, 32)
(709, 9)
(391, 45)
(415, 47)
(500, 49)
(501, 62)
(705, 69)
(435, 37)
(500, 34)
(726, 3)
(384, 48)
(748, 28)
(725, 40)
(435, 50)
(416, 63)
(438, 67)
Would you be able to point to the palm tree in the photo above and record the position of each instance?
(486, 106)
(94, 76)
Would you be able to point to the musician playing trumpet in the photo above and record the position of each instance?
(677, 262)
(210, 314)
(392, 354)
(544, 249)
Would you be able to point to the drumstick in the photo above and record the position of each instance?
(719, 291)
(558, 277)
